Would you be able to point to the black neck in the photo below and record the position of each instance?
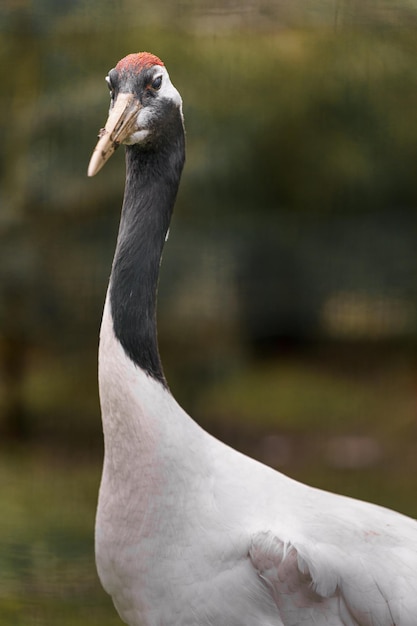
(152, 179)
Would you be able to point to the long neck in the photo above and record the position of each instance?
(152, 179)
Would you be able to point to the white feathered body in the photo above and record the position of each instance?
(190, 532)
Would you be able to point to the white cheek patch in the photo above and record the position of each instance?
(142, 123)
(137, 137)
(167, 89)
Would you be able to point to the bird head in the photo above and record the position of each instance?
(141, 95)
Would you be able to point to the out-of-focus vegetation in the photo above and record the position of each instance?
(288, 295)
(46, 541)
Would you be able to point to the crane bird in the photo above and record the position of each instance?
(189, 531)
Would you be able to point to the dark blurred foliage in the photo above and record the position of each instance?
(296, 221)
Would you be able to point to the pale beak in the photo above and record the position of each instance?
(120, 124)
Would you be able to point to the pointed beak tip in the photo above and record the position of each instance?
(96, 163)
(91, 171)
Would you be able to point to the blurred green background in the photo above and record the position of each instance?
(288, 295)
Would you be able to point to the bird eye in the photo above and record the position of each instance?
(110, 86)
(156, 84)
